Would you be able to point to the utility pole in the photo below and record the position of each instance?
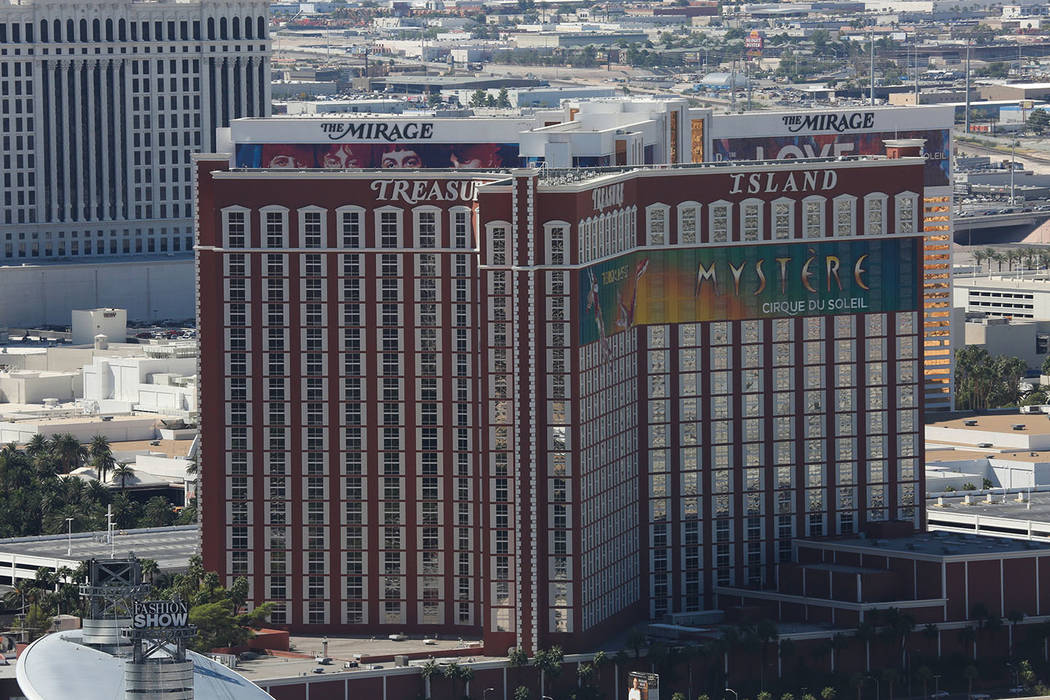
(871, 70)
(732, 88)
(966, 120)
(915, 54)
(747, 79)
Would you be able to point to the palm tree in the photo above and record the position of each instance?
(149, 569)
(968, 636)
(890, 675)
(1014, 616)
(925, 673)
(766, 632)
(70, 453)
(428, 671)
(548, 661)
(101, 456)
(122, 471)
(37, 446)
(970, 672)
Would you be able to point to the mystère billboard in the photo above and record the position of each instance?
(772, 280)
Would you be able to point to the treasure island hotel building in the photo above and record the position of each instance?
(536, 406)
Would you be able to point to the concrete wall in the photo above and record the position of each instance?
(1014, 339)
(116, 430)
(148, 289)
(30, 387)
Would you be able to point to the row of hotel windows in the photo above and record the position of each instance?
(35, 244)
(350, 228)
(119, 30)
(608, 234)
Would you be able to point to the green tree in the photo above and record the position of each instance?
(1039, 121)
(478, 98)
(36, 622)
(503, 99)
(157, 513)
(521, 693)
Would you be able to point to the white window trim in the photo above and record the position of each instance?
(823, 215)
(416, 214)
(761, 217)
(698, 209)
(548, 229)
(226, 211)
(835, 212)
(360, 211)
(712, 208)
(649, 222)
(881, 198)
(378, 213)
(264, 241)
(897, 200)
(791, 217)
(452, 226)
(313, 209)
(489, 228)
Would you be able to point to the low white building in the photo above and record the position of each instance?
(88, 323)
(1014, 296)
(164, 381)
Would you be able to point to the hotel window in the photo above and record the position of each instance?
(350, 226)
(312, 227)
(426, 224)
(656, 223)
(783, 218)
(388, 222)
(235, 227)
(907, 203)
(275, 220)
(555, 237)
(688, 222)
(460, 217)
(875, 214)
(719, 223)
(751, 219)
(497, 234)
(813, 216)
(845, 208)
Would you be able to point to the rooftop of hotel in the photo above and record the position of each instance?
(1002, 505)
(1034, 423)
(168, 448)
(940, 543)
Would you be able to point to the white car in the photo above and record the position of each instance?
(397, 637)
(430, 642)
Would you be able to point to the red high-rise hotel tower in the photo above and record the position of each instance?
(540, 405)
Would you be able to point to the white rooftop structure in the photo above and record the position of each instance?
(58, 667)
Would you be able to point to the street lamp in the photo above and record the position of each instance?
(736, 695)
(485, 693)
(69, 537)
(1012, 145)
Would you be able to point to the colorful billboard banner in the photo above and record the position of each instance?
(374, 155)
(832, 144)
(774, 280)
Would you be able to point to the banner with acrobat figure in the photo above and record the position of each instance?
(643, 686)
(728, 283)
